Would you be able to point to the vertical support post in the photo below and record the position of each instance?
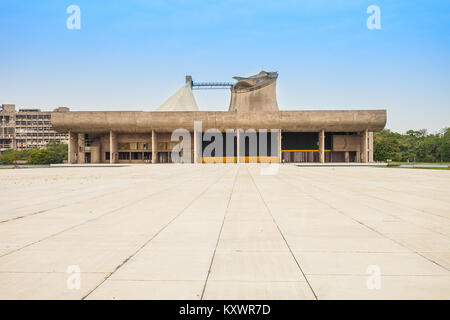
(238, 145)
(113, 156)
(81, 146)
(364, 144)
(197, 142)
(73, 146)
(370, 146)
(322, 146)
(347, 156)
(154, 147)
(280, 155)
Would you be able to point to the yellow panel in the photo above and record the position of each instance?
(304, 150)
(274, 159)
(219, 159)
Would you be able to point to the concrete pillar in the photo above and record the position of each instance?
(81, 146)
(197, 146)
(322, 146)
(347, 156)
(280, 154)
(370, 146)
(113, 154)
(238, 145)
(73, 148)
(154, 147)
(192, 148)
(364, 146)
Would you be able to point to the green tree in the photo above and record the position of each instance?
(445, 146)
(8, 157)
(59, 151)
(41, 156)
(386, 148)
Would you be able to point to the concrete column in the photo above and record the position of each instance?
(192, 148)
(280, 154)
(196, 146)
(347, 156)
(322, 146)
(364, 146)
(113, 154)
(370, 146)
(81, 146)
(73, 148)
(154, 147)
(238, 145)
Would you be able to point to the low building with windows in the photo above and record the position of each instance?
(252, 130)
(27, 128)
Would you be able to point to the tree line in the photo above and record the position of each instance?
(414, 145)
(55, 152)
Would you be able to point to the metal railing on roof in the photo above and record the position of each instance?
(212, 85)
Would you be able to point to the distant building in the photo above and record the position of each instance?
(295, 136)
(27, 128)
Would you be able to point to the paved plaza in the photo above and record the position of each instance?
(224, 232)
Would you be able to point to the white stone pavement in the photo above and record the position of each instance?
(224, 232)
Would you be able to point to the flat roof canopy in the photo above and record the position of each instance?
(142, 121)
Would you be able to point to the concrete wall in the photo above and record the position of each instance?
(260, 99)
(346, 142)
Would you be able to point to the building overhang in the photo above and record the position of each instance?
(143, 121)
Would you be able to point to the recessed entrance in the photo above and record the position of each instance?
(87, 157)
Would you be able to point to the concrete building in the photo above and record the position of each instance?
(253, 130)
(27, 128)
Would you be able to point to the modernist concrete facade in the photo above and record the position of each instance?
(295, 136)
(27, 128)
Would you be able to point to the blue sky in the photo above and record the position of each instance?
(132, 55)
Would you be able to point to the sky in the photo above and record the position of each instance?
(132, 55)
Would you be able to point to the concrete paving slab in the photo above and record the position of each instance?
(255, 266)
(353, 243)
(166, 265)
(148, 290)
(330, 287)
(31, 286)
(358, 263)
(241, 290)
